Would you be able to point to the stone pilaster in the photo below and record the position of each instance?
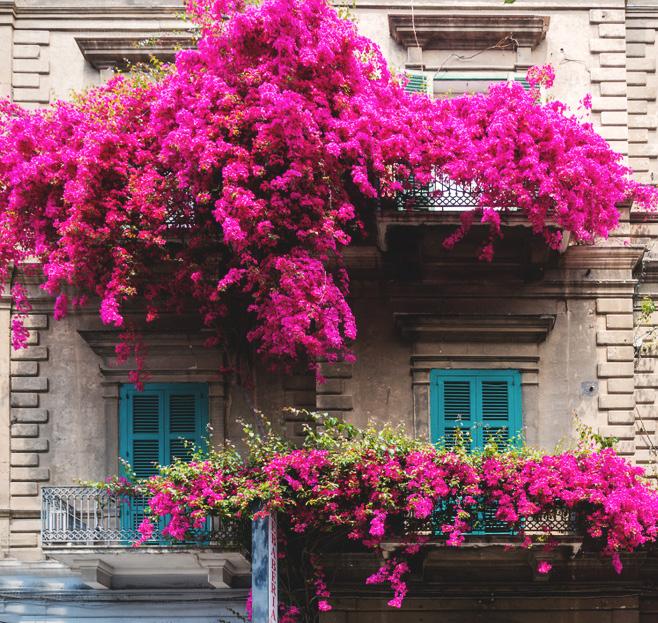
(31, 67)
(609, 103)
(642, 89)
(334, 395)
(28, 443)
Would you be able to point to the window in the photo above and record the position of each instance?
(485, 405)
(448, 84)
(157, 424)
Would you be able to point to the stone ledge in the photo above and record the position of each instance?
(466, 32)
(123, 50)
(475, 328)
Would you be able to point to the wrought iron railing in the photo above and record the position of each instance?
(482, 520)
(441, 194)
(89, 517)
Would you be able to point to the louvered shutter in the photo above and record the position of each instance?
(186, 417)
(456, 409)
(495, 397)
(416, 83)
(143, 447)
(522, 80)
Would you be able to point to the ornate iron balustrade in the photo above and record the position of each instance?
(92, 518)
(482, 521)
(441, 194)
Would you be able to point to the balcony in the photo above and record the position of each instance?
(440, 203)
(92, 532)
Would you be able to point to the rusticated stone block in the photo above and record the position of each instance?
(335, 370)
(24, 368)
(621, 417)
(607, 45)
(614, 306)
(23, 539)
(30, 474)
(29, 384)
(36, 321)
(609, 16)
(32, 65)
(645, 396)
(24, 430)
(612, 59)
(27, 444)
(31, 353)
(26, 504)
(621, 386)
(29, 416)
(608, 103)
(620, 353)
(25, 80)
(25, 525)
(24, 400)
(614, 337)
(609, 30)
(27, 459)
(334, 402)
(616, 401)
(606, 370)
(23, 488)
(32, 36)
(27, 51)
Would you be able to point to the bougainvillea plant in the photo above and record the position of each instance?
(228, 185)
(375, 486)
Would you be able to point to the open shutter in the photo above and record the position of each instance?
(186, 415)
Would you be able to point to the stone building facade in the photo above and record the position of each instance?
(570, 323)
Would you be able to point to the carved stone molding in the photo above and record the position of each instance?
(439, 31)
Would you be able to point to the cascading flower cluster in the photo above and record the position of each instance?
(228, 185)
(376, 485)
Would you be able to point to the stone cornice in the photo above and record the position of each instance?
(475, 328)
(121, 50)
(607, 257)
(439, 31)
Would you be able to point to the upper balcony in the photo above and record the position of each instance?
(93, 533)
(440, 203)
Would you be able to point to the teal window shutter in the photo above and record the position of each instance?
(522, 80)
(416, 83)
(161, 423)
(156, 426)
(484, 404)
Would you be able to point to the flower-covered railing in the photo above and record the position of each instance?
(377, 488)
(441, 194)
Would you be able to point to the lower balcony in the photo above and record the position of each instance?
(93, 533)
